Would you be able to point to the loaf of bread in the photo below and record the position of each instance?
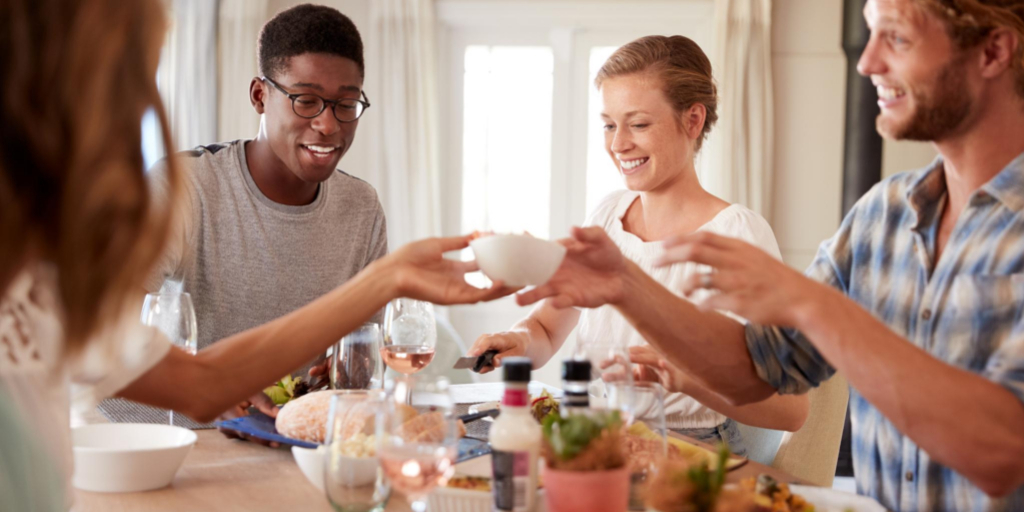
(305, 418)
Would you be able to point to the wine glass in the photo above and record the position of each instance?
(410, 335)
(354, 480)
(355, 360)
(173, 314)
(418, 453)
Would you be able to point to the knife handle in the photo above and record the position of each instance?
(485, 359)
(466, 418)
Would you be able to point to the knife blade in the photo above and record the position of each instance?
(476, 363)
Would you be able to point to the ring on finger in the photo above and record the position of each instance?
(705, 280)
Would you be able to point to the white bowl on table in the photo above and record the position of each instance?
(518, 260)
(128, 457)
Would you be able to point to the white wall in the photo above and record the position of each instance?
(357, 161)
(810, 91)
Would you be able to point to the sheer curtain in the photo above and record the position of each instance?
(741, 148)
(239, 26)
(405, 160)
(188, 72)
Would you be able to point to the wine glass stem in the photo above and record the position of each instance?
(172, 417)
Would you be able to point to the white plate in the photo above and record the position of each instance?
(481, 407)
(831, 500)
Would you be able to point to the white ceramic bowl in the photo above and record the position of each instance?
(518, 260)
(356, 471)
(311, 463)
(128, 457)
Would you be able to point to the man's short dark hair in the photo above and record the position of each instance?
(307, 28)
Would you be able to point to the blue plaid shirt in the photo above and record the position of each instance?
(965, 310)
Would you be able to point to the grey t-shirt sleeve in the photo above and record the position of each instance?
(170, 265)
(378, 249)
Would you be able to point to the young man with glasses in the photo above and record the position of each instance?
(270, 224)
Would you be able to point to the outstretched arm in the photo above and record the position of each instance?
(254, 359)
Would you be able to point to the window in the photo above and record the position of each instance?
(602, 174)
(506, 148)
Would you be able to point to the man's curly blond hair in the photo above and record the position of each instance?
(969, 22)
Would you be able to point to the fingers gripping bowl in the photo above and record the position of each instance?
(517, 260)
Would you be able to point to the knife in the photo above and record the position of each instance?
(476, 363)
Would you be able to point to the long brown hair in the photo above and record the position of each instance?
(76, 79)
(682, 67)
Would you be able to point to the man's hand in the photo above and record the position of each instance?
(421, 272)
(750, 282)
(591, 275)
(262, 403)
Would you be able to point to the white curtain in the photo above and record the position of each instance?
(741, 169)
(404, 145)
(239, 27)
(188, 72)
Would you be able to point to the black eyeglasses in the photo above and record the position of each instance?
(310, 105)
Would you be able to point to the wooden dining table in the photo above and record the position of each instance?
(222, 474)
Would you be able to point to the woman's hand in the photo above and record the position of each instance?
(651, 366)
(420, 271)
(591, 275)
(507, 344)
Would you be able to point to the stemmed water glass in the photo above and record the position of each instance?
(410, 335)
(418, 454)
(355, 360)
(354, 480)
(173, 314)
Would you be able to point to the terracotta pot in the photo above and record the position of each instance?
(586, 491)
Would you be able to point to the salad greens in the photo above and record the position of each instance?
(285, 390)
(569, 436)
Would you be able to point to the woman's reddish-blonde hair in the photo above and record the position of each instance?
(76, 79)
(681, 66)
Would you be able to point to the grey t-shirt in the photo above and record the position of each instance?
(247, 260)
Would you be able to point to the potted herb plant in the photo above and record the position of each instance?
(585, 467)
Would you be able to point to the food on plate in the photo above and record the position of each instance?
(775, 495)
(584, 442)
(470, 483)
(685, 486)
(305, 419)
(543, 406)
(286, 390)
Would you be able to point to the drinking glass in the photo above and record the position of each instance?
(646, 407)
(354, 480)
(410, 335)
(418, 453)
(613, 387)
(173, 314)
(355, 360)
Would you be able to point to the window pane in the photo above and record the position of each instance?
(602, 174)
(506, 155)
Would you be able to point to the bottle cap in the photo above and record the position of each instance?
(517, 369)
(576, 370)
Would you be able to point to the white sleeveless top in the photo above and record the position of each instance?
(605, 324)
(41, 383)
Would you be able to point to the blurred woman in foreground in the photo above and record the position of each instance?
(80, 232)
